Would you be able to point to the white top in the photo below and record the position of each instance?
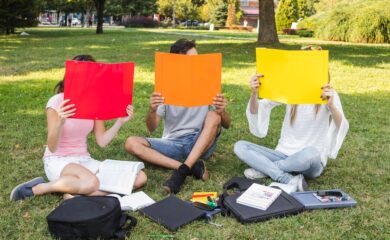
(309, 129)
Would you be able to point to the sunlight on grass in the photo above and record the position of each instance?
(54, 73)
(31, 66)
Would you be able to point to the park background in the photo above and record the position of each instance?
(31, 65)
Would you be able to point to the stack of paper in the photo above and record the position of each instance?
(259, 196)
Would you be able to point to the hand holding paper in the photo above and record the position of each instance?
(156, 100)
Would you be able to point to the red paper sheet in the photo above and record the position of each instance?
(99, 90)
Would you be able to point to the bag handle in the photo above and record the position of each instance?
(123, 230)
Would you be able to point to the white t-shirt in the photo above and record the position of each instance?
(309, 129)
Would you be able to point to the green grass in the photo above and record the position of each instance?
(31, 66)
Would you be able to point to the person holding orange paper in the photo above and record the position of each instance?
(311, 133)
(190, 133)
(68, 164)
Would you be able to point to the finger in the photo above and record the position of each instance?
(70, 111)
(155, 94)
(158, 102)
(63, 103)
(67, 115)
(259, 75)
(67, 107)
(326, 86)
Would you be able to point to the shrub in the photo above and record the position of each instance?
(305, 33)
(362, 22)
(140, 22)
(289, 31)
(238, 28)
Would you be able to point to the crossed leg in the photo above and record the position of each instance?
(76, 179)
(139, 147)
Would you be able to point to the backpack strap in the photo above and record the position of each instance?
(124, 231)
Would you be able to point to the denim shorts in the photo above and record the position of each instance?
(180, 147)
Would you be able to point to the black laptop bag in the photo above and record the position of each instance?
(284, 205)
(90, 217)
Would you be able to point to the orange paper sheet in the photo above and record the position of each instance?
(188, 80)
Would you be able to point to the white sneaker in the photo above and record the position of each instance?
(253, 174)
(300, 183)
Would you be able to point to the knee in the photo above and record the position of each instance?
(132, 145)
(313, 154)
(213, 120)
(89, 185)
(239, 147)
(140, 180)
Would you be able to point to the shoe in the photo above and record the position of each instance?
(300, 182)
(24, 190)
(199, 171)
(252, 173)
(174, 183)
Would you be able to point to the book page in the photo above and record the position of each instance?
(118, 176)
(136, 201)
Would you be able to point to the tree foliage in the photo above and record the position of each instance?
(306, 8)
(184, 9)
(18, 13)
(286, 13)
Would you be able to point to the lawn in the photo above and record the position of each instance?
(31, 66)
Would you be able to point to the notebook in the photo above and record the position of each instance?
(173, 213)
(312, 201)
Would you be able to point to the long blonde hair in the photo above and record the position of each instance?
(293, 112)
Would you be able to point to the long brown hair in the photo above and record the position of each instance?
(59, 88)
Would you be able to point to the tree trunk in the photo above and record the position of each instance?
(267, 29)
(100, 11)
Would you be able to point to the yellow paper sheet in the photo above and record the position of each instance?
(292, 77)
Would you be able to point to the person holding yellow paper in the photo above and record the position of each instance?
(190, 133)
(310, 134)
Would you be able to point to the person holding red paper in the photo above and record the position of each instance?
(68, 165)
(190, 133)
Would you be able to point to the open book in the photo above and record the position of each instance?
(117, 176)
(259, 196)
(134, 201)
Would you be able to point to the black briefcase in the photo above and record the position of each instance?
(284, 205)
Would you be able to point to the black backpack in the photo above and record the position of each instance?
(90, 217)
(284, 205)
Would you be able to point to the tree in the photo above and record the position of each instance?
(305, 8)
(231, 15)
(99, 4)
(18, 13)
(267, 29)
(184, 9)
(286, 13)
(218, 15)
